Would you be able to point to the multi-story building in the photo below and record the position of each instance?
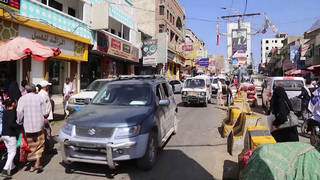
(239, 43)
(117, 40)
(267, 44)
(56, 23)
(312, 47)
(194, 49)
(169, 18)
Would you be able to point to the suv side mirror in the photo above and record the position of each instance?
(87, 101)
(164, 102)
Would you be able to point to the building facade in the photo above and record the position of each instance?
(267, 44)
(194, 49)
(168, 17)
(55, 23)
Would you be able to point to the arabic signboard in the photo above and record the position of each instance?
(156, 50)
(187, 47)
(11, 4)
(116, 47)
(68, 47)
(203, 62)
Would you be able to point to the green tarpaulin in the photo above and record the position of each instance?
(280, 161)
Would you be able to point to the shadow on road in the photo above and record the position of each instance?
(230, 170)
(171, 165)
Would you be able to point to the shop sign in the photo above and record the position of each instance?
(126, 48)
(187, 47)
(117, 47)
(170, 56)
(11, 4)
(156, 50)
(68, 47)
(115, 44)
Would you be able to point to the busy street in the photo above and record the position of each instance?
(196, 152)
(159, 89)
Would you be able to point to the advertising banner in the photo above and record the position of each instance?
(187, 47)
(11, 4)
(294, 53)
(304, 49)
(155, 51)
(239, 40)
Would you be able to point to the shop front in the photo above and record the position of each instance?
(74, 49)
(114, 55)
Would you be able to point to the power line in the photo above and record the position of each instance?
(245, 9)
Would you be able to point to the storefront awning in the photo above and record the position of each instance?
(296, 72)
(20, 47)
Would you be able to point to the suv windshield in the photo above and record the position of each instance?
(289, 85)
(96, 85)
(195, 83)
(124, 95)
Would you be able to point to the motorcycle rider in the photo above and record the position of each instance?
(314, 122)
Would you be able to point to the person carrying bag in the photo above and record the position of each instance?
(284, 125)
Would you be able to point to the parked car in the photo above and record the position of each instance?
(292, 86)
(197, 90)
(257, 81)
(129, 118)
(176, 85)
(77, 101)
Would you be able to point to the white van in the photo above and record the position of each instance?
(197, 90)
(292, 86)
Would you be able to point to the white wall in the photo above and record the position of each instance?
(36, 71)
(272, 43)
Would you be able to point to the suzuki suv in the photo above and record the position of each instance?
(131, 117)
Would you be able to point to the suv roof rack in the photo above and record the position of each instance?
(127, 77)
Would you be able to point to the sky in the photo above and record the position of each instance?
(293, 17)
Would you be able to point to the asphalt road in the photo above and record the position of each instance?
(196, 152)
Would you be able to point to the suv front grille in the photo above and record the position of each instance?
(79, 101)
(96, 132)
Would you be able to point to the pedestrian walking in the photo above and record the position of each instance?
(9, 135)
(219, 94)
(44, 93)
(32, 114)
(229, 94)
(67, 93)
(280, 106)
(14, 91)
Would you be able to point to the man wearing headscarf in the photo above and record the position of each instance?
(280, 106)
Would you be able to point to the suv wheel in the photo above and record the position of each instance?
(149, 159)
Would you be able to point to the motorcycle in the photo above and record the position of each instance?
(314, 127)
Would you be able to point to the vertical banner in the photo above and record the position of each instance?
(239, 44)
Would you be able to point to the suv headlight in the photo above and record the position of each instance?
(185, 93)
(203, 93)
(68, 129)
(127, 132)
(72, 101)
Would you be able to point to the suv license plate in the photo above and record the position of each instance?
(193, 93)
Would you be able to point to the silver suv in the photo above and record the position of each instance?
(129, 118)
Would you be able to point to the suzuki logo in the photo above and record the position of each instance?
(91, 132)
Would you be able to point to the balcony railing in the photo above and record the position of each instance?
(37, 11)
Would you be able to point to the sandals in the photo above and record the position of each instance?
(38, 169)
